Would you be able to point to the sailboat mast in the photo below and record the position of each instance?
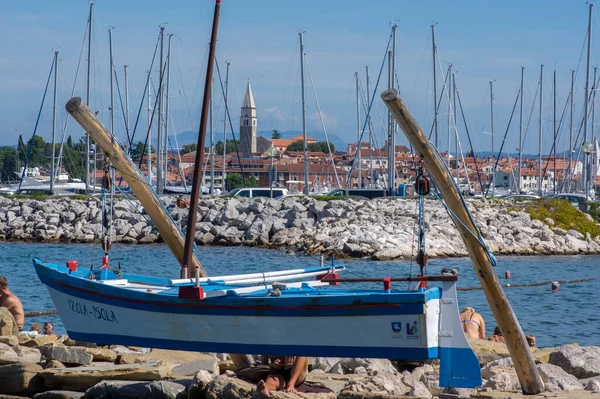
(435, 108)
(87, 99)
(450, 117)
(554, 138)
(571, 131)
(520, 133)
(358, 130)
(149, 131)
(585, 103)
(166, 141)
(212, 146)
(539, 176)
(303, 114)
(159, 174)
(126, 104)
(196, 184)
(493, 179)
(52, 171)
(370, 130)
(391, 122)
(225, 128)
(455, 126)
(112, 95)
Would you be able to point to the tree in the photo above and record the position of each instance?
(321, 146)
(230, 146)
(189, 148)
(8, 162)
(276, 135)
(296, 146)
(70, 142)
(252, 182)
(233, 180)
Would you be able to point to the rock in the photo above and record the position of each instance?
(593, 385)
(197, 388)
(171, 356)
(8, 325)
(188, 369)
(71, 342)
(420, 391)
(582, 362)
(383, 383)
(223, 387)
(487, 351)
(503, 382)
(323, 363)
(20, 378)
(419, 371)
(82, 378)
(128, 389)
(102, 354)
(10, 340)
(497, 366)
(69, 356)
(556, 379)
(40, 340)
(59, 395)
(28, 355)
(431, 380)
(54, 364)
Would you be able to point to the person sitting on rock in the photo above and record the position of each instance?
(12, 303)
(497, 336)
(48, 328)
(181, 203)
(530, 340)
(35, 327)
(287, 373)
(473, 324)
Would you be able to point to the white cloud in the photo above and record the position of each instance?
(274, 113)
(330, 122)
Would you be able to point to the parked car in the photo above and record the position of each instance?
(521, 197)
(253, 192)
(369, 193)
(574, 199)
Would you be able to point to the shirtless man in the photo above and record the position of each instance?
(11, 302)
(472, 322)
(287, 373)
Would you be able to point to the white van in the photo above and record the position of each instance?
(253, 192)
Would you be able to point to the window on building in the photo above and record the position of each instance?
(317, 178)
(245, 123)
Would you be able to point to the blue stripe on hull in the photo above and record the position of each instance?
(289, 350)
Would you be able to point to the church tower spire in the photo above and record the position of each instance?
(248, 124)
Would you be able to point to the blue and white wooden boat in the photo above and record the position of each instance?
(235, 315)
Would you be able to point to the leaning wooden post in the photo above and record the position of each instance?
(132, 175)
(531, 383)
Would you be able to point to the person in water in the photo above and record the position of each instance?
(473, 323)
(530, 340)
(287, 373)
(12, 303)
(36, 327)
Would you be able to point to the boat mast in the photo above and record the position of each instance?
(529, 378)
(370, 130)
(555, 133)
(87, 99)
(585, 104)
(196, 184)
(571, 132)
(126, 104)
(159, 174)
(435, 108)
(303, 114)
(358, 130)
(112, 96)
(166, 141)
(212, 144)
(52, 171)
(225, 128)
(455, 126)
(539, 176)
(520, 133)
(592, 136)
(450, 117)
(149, 130)
(391, 122)
(493, 179)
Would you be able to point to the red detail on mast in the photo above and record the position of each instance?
(105, 262)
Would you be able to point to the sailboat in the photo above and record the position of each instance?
(301, 312)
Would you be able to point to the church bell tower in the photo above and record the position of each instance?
(248, 124)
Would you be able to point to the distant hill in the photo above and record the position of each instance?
(189, 137)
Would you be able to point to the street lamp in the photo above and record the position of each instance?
(271, 152)
(587, 148)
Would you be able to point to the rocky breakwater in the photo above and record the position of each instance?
(380, 229)
(49, 366)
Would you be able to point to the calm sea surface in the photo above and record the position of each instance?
(569, 315)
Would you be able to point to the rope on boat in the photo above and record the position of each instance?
(44, 313)
(582, 280)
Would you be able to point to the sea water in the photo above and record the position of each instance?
(555, 318)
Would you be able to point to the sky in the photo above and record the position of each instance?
(483, 40)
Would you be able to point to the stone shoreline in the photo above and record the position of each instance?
(49, 366)
(380, 229)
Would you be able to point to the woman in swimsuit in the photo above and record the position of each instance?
(472, 322)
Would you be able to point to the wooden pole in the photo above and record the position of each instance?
(531, 383)
(132, 175)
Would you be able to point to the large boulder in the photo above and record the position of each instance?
(128, 389)
(8, 325)
(82, 378)
(59, 395)
(224, 387)
(209, 364)
(20, 378)
(383, 383)
(487, 351)
(72, 356)
(556, 379)
(197, 388)
(582, 362)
